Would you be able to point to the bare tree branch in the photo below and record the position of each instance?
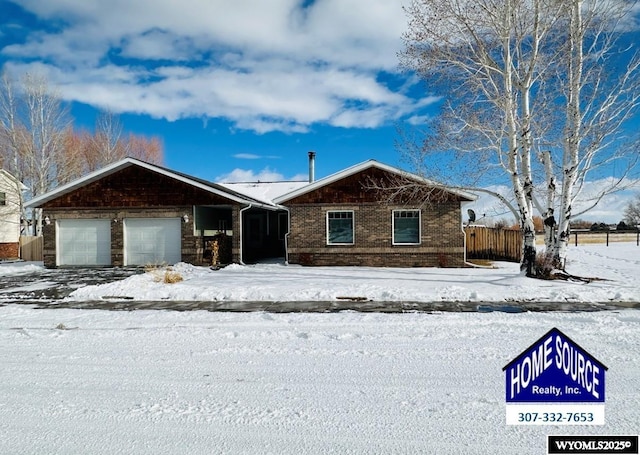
(531, 98)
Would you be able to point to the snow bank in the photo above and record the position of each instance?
(19, 267)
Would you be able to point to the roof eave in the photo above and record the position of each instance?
(122, 164)
(360, 167)
(10, 176)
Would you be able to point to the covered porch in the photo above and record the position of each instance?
(245, 235)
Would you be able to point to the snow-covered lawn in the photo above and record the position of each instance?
(618, 265)
(199, 382)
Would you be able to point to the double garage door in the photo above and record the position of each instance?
(146, 241)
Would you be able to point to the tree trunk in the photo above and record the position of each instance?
(572, 133)
(529, 247)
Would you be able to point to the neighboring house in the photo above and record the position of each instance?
(134, 213)
(346, 219)
(10, 215)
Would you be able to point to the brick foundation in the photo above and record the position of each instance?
(380, 259)
(9, 250)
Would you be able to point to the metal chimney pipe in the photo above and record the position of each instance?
(312, 166)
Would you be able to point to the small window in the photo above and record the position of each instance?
(3, 198)
(406, 227)
(340, 228)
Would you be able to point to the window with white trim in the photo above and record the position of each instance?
(406, 227)
(340, 227)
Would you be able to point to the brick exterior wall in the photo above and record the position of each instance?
(441, 243)
(235, 240)
(9, 250)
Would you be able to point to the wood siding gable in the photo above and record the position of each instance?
(136, 186)
(371, 185)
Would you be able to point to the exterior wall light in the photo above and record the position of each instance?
(185, 218)
(47, 220)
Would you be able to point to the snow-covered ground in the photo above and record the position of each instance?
(200, 382)
(163, 382)
(617, 265)
(19, 268)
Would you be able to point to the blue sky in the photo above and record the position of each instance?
(237, 90)
(245, 87)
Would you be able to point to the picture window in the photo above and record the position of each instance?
(340, 228)
(406, 227)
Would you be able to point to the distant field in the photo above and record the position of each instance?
(586, 238)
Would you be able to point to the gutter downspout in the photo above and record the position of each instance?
(464, 243)
(240, 233)
(286, 236)
(464, 237)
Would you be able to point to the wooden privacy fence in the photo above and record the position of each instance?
(493, 243)
(31, 248)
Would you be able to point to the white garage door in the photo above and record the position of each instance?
(83, 242)
(151, 241)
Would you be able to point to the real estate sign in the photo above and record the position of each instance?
(555, 382)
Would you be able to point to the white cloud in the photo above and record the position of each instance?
(360, 118)
(263, 65)
(254, 156)
(274, 99)
(416, 120)
(158, 45)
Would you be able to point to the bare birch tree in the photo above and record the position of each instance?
(12, 137)
(46, 120)
(486, 56)
(597, 104)
(11, 133)
(39, 146)
(509, 69)
(108, 143)
(34, 122)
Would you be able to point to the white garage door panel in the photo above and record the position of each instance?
(152, 241)
(84, 242)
